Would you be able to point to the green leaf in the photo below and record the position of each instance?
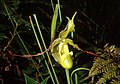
(29, 80)
(45, 80)
(54, 21)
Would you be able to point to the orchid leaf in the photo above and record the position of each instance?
(45, 80)
(29, 80)
(54, 21)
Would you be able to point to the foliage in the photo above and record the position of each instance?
(106, 67)
(53, 24)
(29, 80)
(96, 23)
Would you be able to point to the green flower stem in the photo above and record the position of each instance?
(67, 75)
(76, 79)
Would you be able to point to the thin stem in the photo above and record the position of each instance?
(41, 49)
(9, 42)
(45, 48)
(9, 15)
(67, 75)
(30, 58)
(15, 26)
(59, 11)
(52, 5)
(76, 79)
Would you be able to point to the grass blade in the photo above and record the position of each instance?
(52, 5)
(41, 49)
(45, 48)
(59, 11)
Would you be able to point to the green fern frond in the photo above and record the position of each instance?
(101, 81)
(115, 82)
(99, 66)
(106, 68)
